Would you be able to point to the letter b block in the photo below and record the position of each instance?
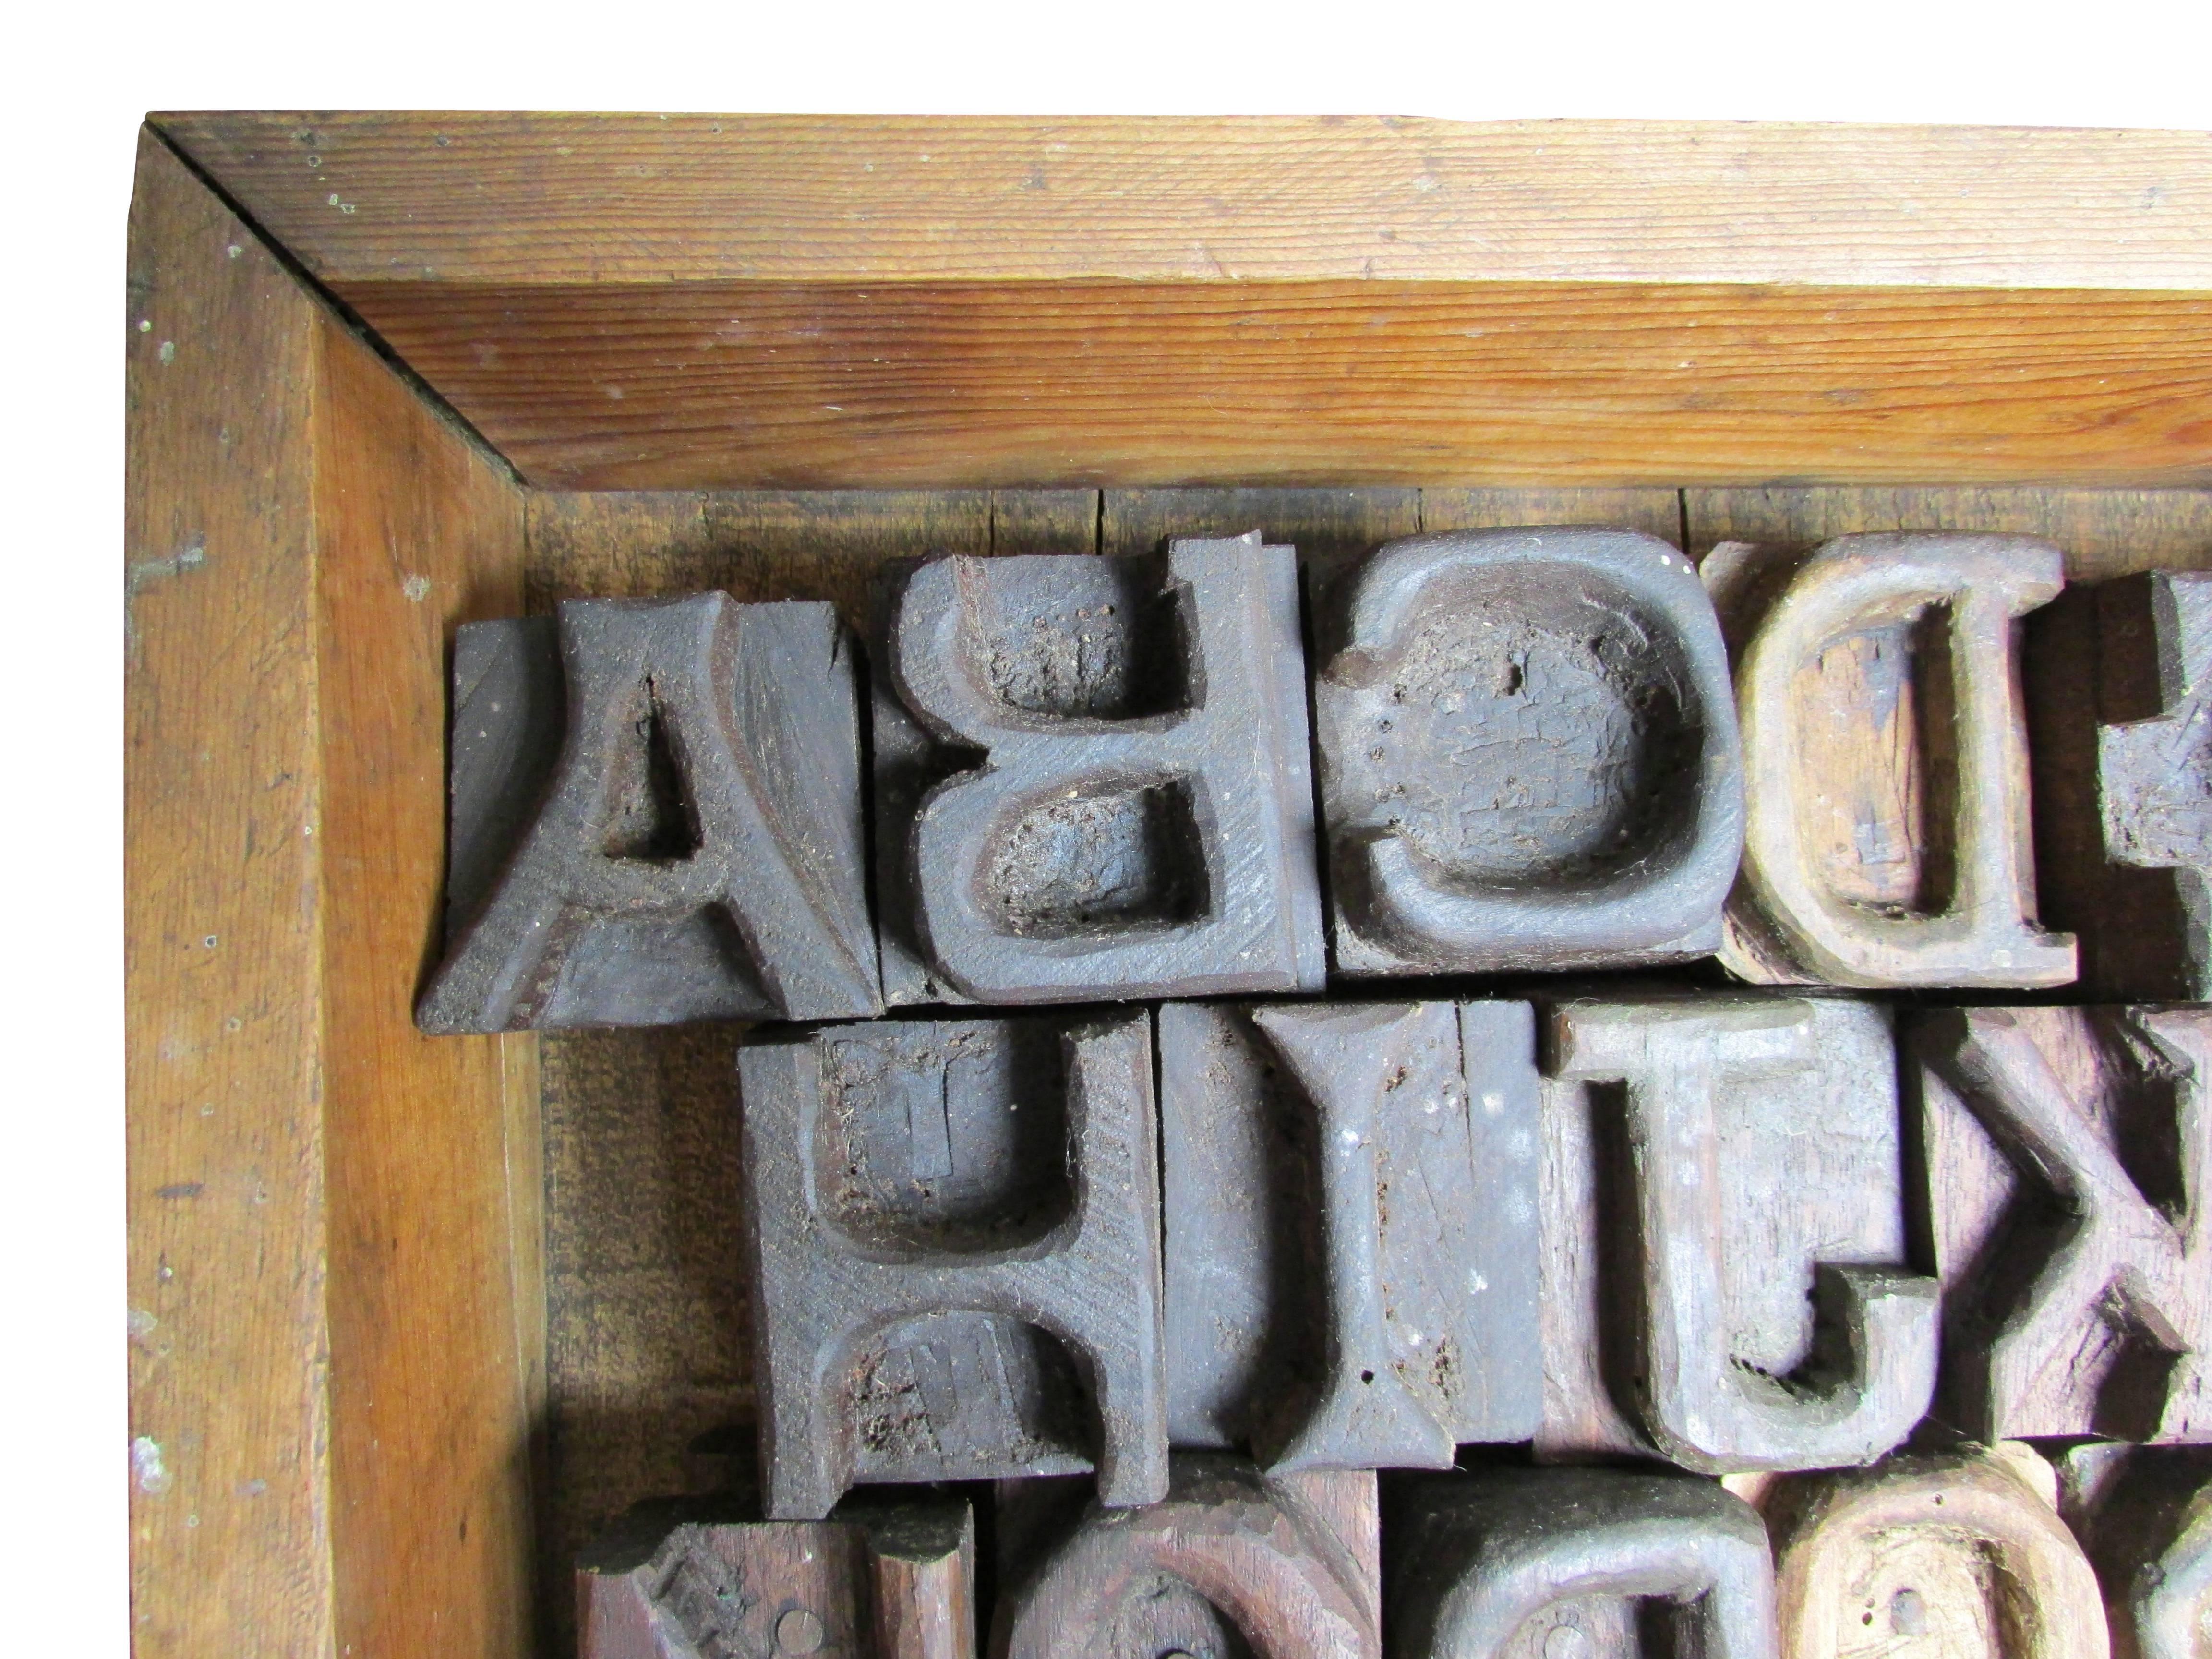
(1139, 818)
(954, 1229)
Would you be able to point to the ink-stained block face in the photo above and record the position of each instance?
(1528, 1563)
(655, 816)
(1529, 753)
(954, 1232)
(1091, 778)
(1352, 1251)
(2069, 1152)
(1724, 1235)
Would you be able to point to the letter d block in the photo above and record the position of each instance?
(1140, 822)
(1528, 754)
(954, 1229)
(1520, 1564)
(655, 818)
(1860, 868)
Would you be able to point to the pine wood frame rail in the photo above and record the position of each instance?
(335, 1273)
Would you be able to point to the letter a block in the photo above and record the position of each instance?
(655, 818)
(954, 1250)
(1527, 1564)
(2148, 1529)
(1230, 1562)
(880, 1581)
(1749, 1148)
(1859, 869)
(2069, 1151)
(1528, 754)
(1136, 818)
(2120, 686)
(1352, 1243)
(1955, 1556)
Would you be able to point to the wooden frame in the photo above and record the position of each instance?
(365, 351)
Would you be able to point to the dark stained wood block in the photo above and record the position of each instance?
(953, 1229)
(2144, 1516)
(1724, 1235)
(1529, 1564)
(2067, 1152)
(2118, 677)
(1956, 1557)
(1351, 1247)
(1851, 874)
(1133, 814)
(888, 1580)
(1528, 755)
(1231, 1562)
(655, 818)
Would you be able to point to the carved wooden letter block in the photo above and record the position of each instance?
(2148, 1529)
(1952, 1557)
(1876, 646)
(1755, 1142)
(1352, 1242)
(1526, 1563)
(1231, 1562)
(955, 1238)
(2069, 1151)
(1138, 821)
(1528, 754)
(894, 1581)
(2120, 678)
(655, 818)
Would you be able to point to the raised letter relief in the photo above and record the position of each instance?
(1955, 1556)
(1352, 1249)
(1761, 1137)
(2120, 686)
(1528, 754)
(2148, 1529)
(1231, 1562)
(1140, 818)
(2068, 1153)
(954, 1234)
(1830, 673)
(1526, 1563)
(696, 848)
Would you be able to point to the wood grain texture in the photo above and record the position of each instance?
(675, 385)
(230, 1496)
(486, 198)
(334, 1262)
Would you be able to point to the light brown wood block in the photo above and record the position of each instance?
(334, 1271)
(1232, 1562)
(2067, 1152)
(1952, 1557)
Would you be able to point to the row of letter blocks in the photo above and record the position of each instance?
(1965, 1555)
(1095, 780)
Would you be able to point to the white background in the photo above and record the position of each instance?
(80, 77)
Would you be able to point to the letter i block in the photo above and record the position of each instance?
(2069, 1155)
(1135, 816)
(1231, 1562)
(1351, 1252)
(1533, 1564)
(1528, 755)
(1886, 832)
(1711, 1164)
(1958, 1555)
(880, 1581)
(655, 818)
(2120, 703)
(954, 1229)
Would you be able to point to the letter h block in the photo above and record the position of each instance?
(954, 1235)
